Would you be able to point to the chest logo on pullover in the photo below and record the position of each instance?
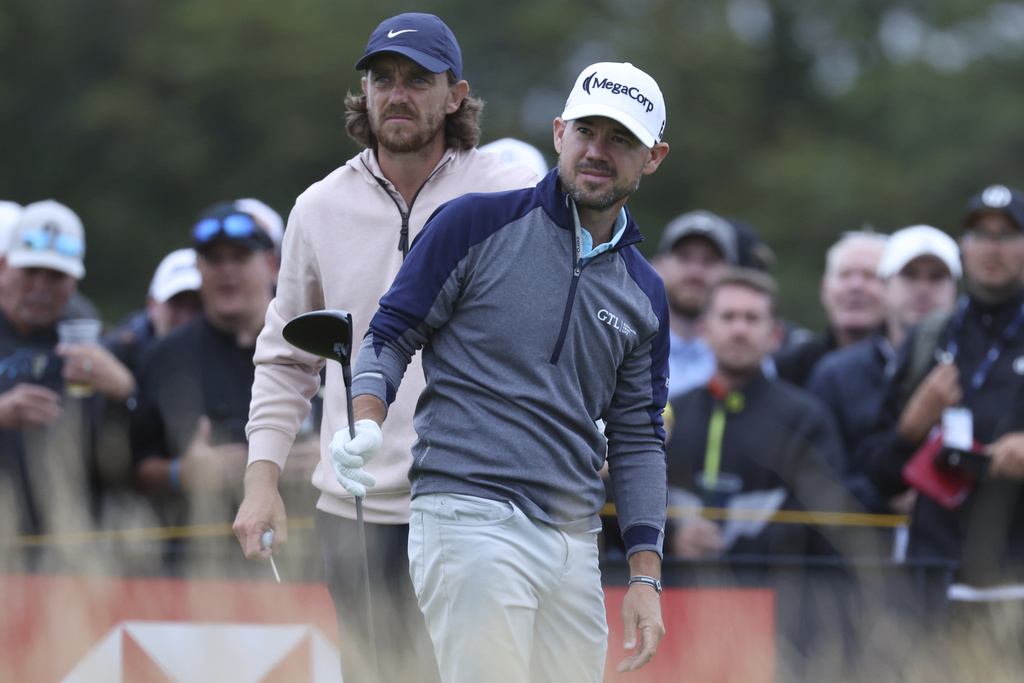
(615, 322)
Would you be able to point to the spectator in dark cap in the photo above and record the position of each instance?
(975, 363)
(188, 429)
(694, 249)
(751, 250)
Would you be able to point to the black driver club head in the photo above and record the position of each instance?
(327, 334)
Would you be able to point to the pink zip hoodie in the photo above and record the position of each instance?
(341, 250)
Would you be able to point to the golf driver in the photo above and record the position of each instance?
(328, 334)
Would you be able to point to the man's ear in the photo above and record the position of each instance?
(456, 94)
(559, 131)
(655, 156)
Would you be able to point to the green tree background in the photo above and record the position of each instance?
(804, 117)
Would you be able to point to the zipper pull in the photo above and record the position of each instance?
(403, 238)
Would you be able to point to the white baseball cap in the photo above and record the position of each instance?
(622, 92)
(514, 152)
(48, 234)
(177, 273)
(905, 245)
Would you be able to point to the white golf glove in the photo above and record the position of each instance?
(349, 455)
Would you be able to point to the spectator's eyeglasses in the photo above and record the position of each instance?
(993, 237)
(236, 225)
(66, 245)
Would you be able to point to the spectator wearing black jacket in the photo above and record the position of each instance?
(779, 440)
(982, 364)
(188, 429)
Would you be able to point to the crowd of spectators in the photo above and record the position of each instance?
(169, 386)
(908, 403)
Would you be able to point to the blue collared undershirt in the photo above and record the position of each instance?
(587, 248)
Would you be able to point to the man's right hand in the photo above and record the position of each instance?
(940, 389)
(28, 406)
(261, 509)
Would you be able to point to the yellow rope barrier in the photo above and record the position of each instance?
(161, 533)
(305, 523)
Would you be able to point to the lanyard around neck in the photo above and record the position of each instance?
(989, 361)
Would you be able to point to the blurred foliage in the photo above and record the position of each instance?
(805, 117)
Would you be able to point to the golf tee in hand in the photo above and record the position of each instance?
(349, 454)
(266, 541)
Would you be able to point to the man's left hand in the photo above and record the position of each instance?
(1008, 456)
(641, 611)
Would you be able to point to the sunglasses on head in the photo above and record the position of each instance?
(66, 245)
(236, 225)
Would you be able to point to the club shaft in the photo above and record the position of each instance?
(346, 372)
(366, 573)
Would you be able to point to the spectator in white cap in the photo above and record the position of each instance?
(514, 152)
(79, 306)
(515, 593)
(919, 270)
(173, 300)
(39, 272)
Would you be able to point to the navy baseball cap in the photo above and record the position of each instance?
(998, 198)
(423, 38)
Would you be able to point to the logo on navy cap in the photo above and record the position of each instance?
(996, 196)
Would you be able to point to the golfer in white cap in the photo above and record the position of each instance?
(537, 317)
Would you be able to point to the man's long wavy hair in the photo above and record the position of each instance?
(461, 129)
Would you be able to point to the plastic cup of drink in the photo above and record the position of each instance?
(79, 331)
(716, 491)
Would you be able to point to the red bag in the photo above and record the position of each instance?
(946, 486)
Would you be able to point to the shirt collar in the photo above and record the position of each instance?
(587, 250)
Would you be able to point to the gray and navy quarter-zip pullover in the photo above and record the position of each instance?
(525, 346)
